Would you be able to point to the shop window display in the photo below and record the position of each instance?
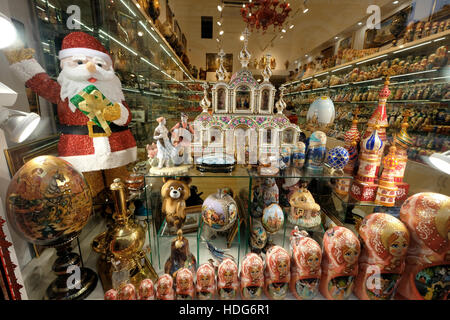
(229, 198)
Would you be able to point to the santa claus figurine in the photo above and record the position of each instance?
(87, 146)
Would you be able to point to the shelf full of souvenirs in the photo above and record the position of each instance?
(418, 71)
(292, 248)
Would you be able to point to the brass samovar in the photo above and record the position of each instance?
(122, 244)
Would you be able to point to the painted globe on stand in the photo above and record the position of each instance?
(219, 210)
(48, 202)
(337, 158)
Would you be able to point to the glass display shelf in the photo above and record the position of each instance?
(303, 174)
(240, 171)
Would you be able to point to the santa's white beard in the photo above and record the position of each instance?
(107, 82)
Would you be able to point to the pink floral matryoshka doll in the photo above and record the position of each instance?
(385, 241)
(252, 277)
(146, 290)
(277, 274)
(164, 288)
(339, 263)
(427, 272)
(227, 279)
(305, 266)
(185, 284)
(127, 292)
(111, 294)
(206, 282)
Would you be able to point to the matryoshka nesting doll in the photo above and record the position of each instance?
(185, 284)
(298, 155)
(427, 272)
(277, 274)
(252, 277)
(339, 263)
(316, 152)
(164, 288)
(304, 211)
(146, 290)
(305, 266)
(264, 194)
(385, 241)
(127, 292)
(111, 294)
(206, 282)
(227, 280)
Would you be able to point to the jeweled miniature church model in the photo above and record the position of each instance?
(243, 125)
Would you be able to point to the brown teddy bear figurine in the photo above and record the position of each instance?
(174, 193)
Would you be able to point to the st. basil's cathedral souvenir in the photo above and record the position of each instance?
(243, 124)
(339, 263)
(364, 187)
(164, 288)
(352, 138)
(277, 274)
(381, 264)
(227, 280)
(403, 142)
(316, 151)
(92, 111)
(387, 189)
(426, 276)
(304, 211)
(184, 280)
(252, 277)
(305, 266)
(206, 282)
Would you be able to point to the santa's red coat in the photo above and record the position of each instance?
(83, 152)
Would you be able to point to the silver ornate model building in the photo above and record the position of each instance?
(242, 127)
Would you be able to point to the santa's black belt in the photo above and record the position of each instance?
(83, 130)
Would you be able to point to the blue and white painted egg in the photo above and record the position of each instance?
(337, 157)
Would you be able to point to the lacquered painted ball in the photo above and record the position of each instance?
(337, 157)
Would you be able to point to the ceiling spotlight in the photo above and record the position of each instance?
(221, 32)
(259, 80)
(284, 30)
(241, 38)
(335, 38)
(304, 7)
(220, 8)
(395, 2)
(306, 55)
(360, 23)
(217, 39)
(219, 23)
(291, 26)
(140, 33)
(281, 37)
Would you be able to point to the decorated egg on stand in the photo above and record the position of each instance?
(273, 219)
(323, 109)
(258, 237)
(337, 158)
(219, 211)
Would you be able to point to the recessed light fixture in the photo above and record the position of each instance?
(140, 33)
(306, 55)
(220, 8)
(304, 7)
(395, 2)
(221, 32)
(219, 23)
(241, 38)
(281, 37)
(360, 23)
(335, 38)
(291, 26)
(217, 39)
(283, 30)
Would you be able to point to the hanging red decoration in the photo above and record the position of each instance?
(260, 14)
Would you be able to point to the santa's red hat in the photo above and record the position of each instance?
(85, 44)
